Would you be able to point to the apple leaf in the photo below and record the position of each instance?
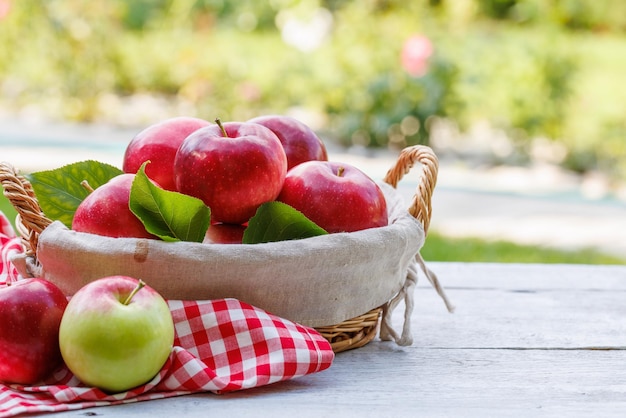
(277, 221)
(59, 191)
(169, 215)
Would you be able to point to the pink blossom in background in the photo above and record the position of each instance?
(5, 7)
(416, 51)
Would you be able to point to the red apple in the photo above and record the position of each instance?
(233, 168)
(338, 197)
(158, 144)
(31, 312)
(105, 211)
(224, 234)
(299, 141)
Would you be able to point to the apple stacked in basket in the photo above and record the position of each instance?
(189, 179)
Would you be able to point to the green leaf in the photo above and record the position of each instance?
(277, 221)
(169, 215)
(59, 191)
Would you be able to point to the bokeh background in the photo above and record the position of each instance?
(525, 92)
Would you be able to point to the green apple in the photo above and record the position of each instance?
(116, 333)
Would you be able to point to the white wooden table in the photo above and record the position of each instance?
(526, 340)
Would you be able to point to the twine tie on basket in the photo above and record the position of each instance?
(421, 209)
(387, 333)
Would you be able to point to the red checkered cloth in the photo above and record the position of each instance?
(220, 346)
(9, 244)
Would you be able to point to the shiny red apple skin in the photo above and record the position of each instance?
(224, 234)
(31, 312)
(158, 144)
(346, 202)
(299, 141)
(105, 211)
(232, 174)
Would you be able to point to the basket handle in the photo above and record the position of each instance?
(421, 207)
(30, 220)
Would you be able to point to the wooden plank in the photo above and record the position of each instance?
(519, 276)
(526, 306)
(427, 382)
(523, 342)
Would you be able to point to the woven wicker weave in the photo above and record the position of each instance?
(352, 333)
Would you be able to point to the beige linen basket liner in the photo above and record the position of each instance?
(349, 334)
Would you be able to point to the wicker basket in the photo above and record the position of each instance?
(352, 333)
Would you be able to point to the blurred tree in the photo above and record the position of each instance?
(530, 67)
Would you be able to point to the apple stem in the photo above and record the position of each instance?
(219, 123)
(139, 286)
(340, 171)
(87, 186)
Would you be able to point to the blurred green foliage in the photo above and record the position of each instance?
(441, 248)
(532, 68)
